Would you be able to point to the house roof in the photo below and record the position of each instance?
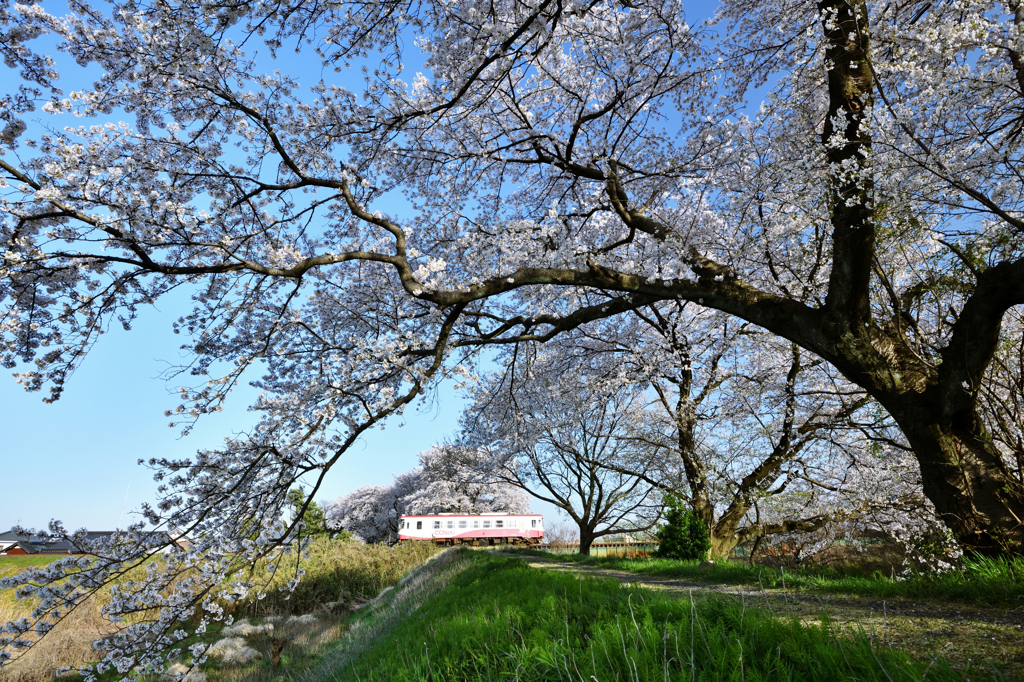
(11, 536)
(34, 545)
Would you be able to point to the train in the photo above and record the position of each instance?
(473, 529)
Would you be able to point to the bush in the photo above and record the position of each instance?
(684, 536)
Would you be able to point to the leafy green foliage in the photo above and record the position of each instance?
(684, 536)
(314, 517)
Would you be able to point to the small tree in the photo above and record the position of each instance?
(684, 536)
(312, 517)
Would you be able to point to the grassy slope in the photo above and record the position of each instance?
(978, 580)
(499, 619)
(345, 573)
(484, 617)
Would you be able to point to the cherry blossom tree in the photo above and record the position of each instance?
(452, 486)
(440, 485)
(758, 437)
(577, 148)
(1002, 396)
(354, 240)
(372, 512)
(565, 441)
(749, 419)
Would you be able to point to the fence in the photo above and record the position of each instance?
(622, 549)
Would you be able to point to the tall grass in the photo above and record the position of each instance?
(70, 643)
(346, 574)
(980, 580)
(501, 620)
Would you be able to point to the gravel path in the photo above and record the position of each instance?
(961, 632)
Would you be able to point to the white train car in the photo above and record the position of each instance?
(473, 529)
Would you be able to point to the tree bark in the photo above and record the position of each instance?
(722, 545)
(964, 475)
(586, 540)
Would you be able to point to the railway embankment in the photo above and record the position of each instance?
(489, 616)
(974, 627)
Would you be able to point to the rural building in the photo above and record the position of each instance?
(12, 544)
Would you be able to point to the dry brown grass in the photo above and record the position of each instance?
(69, 644)
(340, 575)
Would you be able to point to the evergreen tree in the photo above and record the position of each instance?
(314, 518)
(684, 536)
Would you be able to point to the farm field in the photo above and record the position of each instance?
(12, 564)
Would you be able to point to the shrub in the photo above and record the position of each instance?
(684, 536)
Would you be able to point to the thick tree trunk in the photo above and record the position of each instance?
(586, 540)
(965, 476)
(722, 545)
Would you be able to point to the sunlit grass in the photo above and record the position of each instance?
(981, 580)
(501, 620)
(344, 574)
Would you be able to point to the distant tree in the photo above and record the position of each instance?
(453, 485)
(684, 535)
(566, 442)
(313, 518)
(561, 532)
(372, 512)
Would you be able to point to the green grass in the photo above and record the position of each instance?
(501, 620)
(978, 580)
(9, 565)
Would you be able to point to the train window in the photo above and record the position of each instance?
(437, 524)
(450, 525)
(462, 523)
(419, 525)
(476, 523)
(498, 523)
(487, 524)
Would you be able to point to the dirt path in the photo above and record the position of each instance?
(961, 632)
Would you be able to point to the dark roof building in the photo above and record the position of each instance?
(12, 543)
